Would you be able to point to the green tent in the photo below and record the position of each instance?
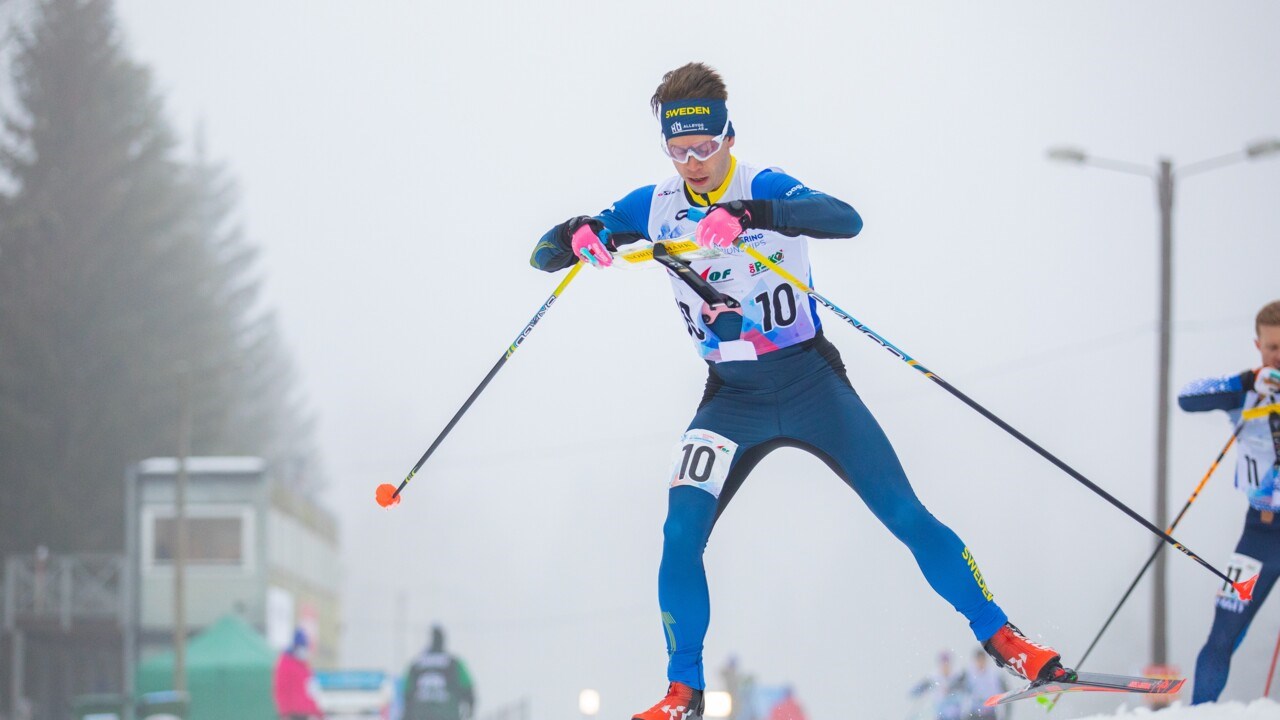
(229, 668)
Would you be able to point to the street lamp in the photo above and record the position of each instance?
(1262, 147)
(1164, 175)
(589, 703)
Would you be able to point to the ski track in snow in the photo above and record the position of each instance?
(1256, 710)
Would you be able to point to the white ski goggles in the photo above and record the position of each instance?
(702, 151)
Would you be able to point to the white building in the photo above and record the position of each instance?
(254, 548)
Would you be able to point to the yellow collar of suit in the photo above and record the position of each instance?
(714, 196)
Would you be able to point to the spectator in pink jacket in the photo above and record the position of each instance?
(788, 708)
(293, 701)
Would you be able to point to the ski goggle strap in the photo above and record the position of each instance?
(695, 116)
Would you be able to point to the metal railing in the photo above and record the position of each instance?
(40, 588)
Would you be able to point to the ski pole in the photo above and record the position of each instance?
(1271, 673)
(1159, 547)
(1243, 588)
(387, 495)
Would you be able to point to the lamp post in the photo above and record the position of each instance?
(1165, 177)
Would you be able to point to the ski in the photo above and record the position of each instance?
(1072, 681)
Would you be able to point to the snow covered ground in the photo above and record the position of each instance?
(1256, 710)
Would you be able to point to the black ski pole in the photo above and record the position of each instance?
(1195, 494)
(1244, 588)
(388, 496)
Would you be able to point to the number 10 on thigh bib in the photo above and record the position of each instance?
(702, 460)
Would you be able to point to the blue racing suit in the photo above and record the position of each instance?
(790, 390)
(1258, 550)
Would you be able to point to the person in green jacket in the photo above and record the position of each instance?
(438, 686)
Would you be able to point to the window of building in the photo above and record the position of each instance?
(217, 536)
(210, 540)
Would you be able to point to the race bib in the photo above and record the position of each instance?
(1257, 477)
(431, 688)
(1241, 567)
(702, 460)
(1257, 469)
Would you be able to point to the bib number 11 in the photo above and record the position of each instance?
(1241, 567)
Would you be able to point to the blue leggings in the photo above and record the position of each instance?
(1261, 542)
(797, 397)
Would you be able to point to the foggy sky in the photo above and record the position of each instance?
(399, 160)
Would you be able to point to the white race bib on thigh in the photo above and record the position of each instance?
(1241, 567)
(702, 460)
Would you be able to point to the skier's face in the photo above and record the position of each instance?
(1268, 343)
(703, 176)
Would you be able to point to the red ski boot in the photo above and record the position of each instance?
(1028, 660)
(681, 703)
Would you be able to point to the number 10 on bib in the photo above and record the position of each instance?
(702, 460)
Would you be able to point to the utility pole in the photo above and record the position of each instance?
(1159, 608)
(180, 534)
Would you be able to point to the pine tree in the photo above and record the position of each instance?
(250, 365)
(121, 270)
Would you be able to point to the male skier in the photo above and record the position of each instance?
(773, 379)
(1254, 396)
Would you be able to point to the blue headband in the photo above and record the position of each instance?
(694, 116)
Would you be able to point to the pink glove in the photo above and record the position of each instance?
(1268, 381)
(720, 227)
(587, 246)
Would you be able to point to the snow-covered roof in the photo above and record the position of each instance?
(230, 465)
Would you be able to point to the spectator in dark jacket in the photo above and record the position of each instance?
(438, 686)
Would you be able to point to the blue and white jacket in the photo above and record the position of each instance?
(1257, 470)
(784, 215)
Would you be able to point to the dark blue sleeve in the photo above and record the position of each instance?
(626, 220)
(1216, 393)
(785, 205)
(552, 253)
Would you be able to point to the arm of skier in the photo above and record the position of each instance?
(626, 221)
(788, 207)
(1216, 393)
(782, 204)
